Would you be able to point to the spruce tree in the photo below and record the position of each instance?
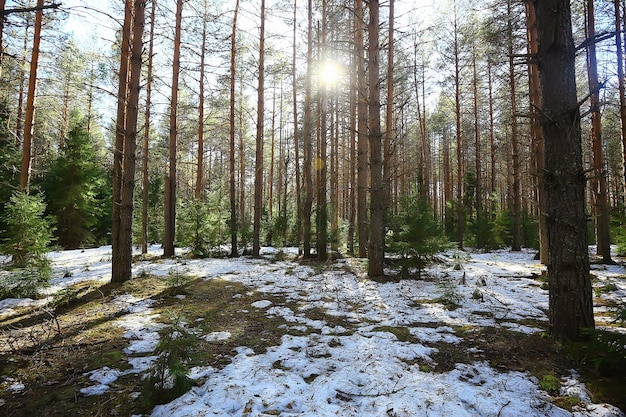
(75, 187)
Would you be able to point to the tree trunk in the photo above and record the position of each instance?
(200, 152)
(30, 101)
(480, 243)
(570, 300)
(362, 142)
(598, 183)
(376, 253)
(170, 195)
(231, 157)
(352, 157)
(619, 51)
(460, 210)
(389, 128)
(322, 166)
(258, 168)
(492, 141)
(146, 137)
(307, 141)
(296, 130)
(517, 193)
(119, 265)
(242, 172)
(537, 142)
(2, 4)
(126, 141)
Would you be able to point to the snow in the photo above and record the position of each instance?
(335, 371)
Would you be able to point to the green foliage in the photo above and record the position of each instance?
(29, 230)
(202, 225)
(29, 233)
(25, 282)
(550, 384)
(416, 234)
(503, 230)
(77, 190)
(604, 349)
(169, 376)
(618, 229)
(449, 294)
(9, 164)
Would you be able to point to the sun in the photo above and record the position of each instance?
(330, 73)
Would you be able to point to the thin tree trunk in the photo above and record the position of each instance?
(322, 209)
(30, 101)
(362, 140)
(258, 168)
(517, 193)
(200, 152)
(535, 128)
(19, 128)
(570, 300)
(598, 183)
(296, 131)
(460, 210)
(242, 173)
(146, 137)
(478, 161)
(231, 160)
(307, 141)
(170, 194)
(619, 51)
(352, 158)
(389, 128)
(492, 140)
(2, 4)
(376, 253)
(270, 182)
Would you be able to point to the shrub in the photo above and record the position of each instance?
(417, 236)
(169, 376)
(29, 234)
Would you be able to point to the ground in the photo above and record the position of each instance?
(277, 335)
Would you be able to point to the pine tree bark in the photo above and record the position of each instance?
(322, 164)
(517, 187)
(480, 243)
(258, 168)
(460, 209)
(598, 182)
(362, 138)
(376, 253)
(537, 142)
(234, 252)
(118, 264)
(307, 140)
(619, 52)
(296, 130)
(30, 101)
(351, 182)
(200, 151)
(389, 127)
(170, 189)
(570, 299)
(146, 136)
(126, 141)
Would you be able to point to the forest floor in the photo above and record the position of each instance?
(277, 335)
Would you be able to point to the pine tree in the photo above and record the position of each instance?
(75, 188)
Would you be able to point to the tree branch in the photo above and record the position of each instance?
(29, 9)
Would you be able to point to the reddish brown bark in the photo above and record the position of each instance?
(170, 190)
(30, 101)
